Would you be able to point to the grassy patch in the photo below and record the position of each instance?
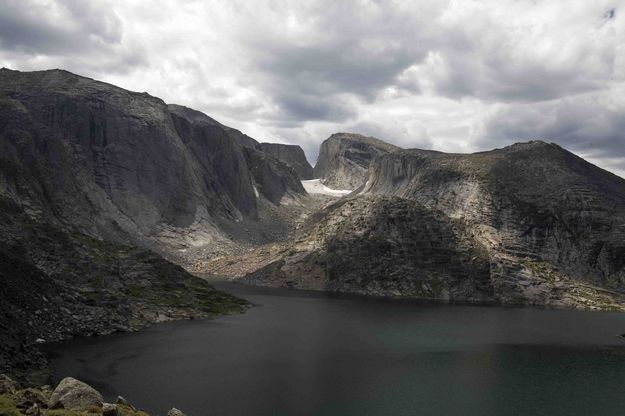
(7, 406)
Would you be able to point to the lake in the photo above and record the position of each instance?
(301, 353)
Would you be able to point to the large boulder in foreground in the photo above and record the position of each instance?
(72, 394)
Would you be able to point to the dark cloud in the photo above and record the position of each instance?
(61, 27)
(313, 107)
(347, 47)
(592, 124)
(82, 36)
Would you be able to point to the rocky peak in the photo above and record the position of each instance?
(344, 159)
(290, 154)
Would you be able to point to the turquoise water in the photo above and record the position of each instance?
(298, 353)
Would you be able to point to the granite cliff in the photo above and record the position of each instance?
(344, 159)
(290, 154)
(124, 166)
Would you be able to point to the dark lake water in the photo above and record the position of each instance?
(312, 354)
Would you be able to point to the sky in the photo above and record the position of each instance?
(455, 76)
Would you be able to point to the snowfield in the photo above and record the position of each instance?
(314, 186)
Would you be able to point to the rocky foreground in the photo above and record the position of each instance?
(71, 397)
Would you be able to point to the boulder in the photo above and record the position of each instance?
(175, 412)
(72, 394)
(7, 385)
(110, 409)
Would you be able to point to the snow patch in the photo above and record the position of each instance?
(314, 186)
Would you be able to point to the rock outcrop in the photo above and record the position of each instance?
(530, 223)
(290, 154)
(344, 159)
(71, 397)
(72, 394)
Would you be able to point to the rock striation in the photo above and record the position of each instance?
(344, 159)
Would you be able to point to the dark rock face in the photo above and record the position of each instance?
(530, 223)
(115, 163)
(273, 178)
(120, 165)
(292, 155)
(344, 159)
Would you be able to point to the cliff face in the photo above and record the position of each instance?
(531, 223)
(89, 174)
(274, 179)
(120, 165)
(344, 159)
(292, 155)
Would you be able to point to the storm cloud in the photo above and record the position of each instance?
(449, 75)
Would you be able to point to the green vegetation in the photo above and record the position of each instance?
(543, 270)
(7, 406)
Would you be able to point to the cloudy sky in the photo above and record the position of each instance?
(457, 76)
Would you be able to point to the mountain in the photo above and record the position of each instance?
(105, 193)
(344, 159)
(531, 223)
(125, 166)
(96, 183)
(290, 154)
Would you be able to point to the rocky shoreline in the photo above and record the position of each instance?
(70, 397)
